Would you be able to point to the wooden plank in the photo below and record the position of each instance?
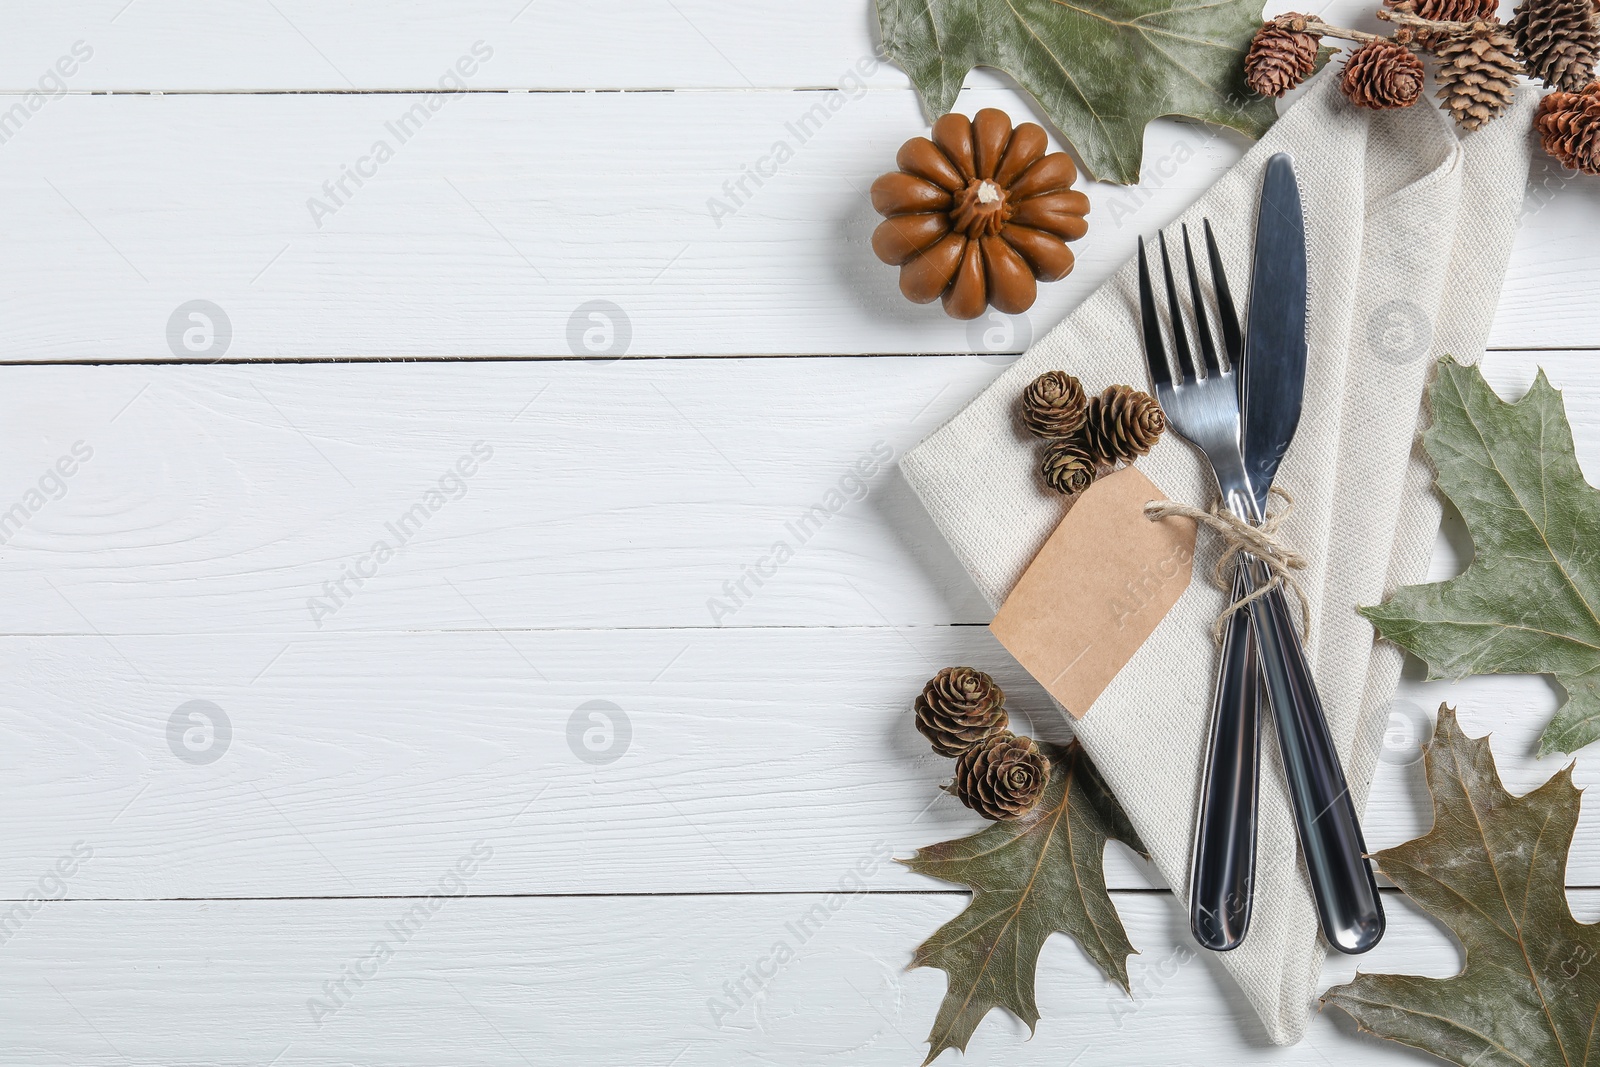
(233, 499)
(301, 45)
(492, 226)
(621, 761)
(614, 981)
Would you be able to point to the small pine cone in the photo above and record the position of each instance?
(1069, 467)
(1558, 41)
(1382, 75)
(1569, 128)
(958, 708)
(1281, 55)
(1477, 74)
(1052, 405)
(1122, 425)
(1003, 778)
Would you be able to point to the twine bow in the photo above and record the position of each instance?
(1239, 536)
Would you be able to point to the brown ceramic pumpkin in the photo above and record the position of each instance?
(978, 214)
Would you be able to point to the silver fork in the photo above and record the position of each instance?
(1203, 408)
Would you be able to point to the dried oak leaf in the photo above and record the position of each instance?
(1101, 72)
(1530, 601)
(1030, 877)
(1493, 870)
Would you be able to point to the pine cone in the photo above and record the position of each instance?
(1281, 55)
(1069, 467)
(1558, 40)
(1450, 10)
(1382, 75)
(1569, 128)
(1002, 778)
(1122, 424)
(978, 214)
(1053, 405)
(1477, 74)
(958, 708)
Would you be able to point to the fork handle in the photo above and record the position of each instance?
(1221, 880)
(1342, 881)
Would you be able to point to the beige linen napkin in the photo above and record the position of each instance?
(1408, 232)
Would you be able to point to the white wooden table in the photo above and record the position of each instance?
(513, 792)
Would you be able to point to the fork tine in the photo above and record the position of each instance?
(1154, 353)
(1202, 321)
(1232, 336)
(1180, 337)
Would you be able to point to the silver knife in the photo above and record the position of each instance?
(1272, 381)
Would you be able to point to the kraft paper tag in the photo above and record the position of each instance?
(1097, 589)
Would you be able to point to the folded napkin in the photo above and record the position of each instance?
(1408, 229)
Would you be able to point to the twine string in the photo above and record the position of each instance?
(1239, 536)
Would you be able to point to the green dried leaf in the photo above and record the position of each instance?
(1101, 69)
(1030, 878)
(1492, 869)
(1528, 602)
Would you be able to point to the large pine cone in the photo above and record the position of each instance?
(1053, 405)
(1569, 128)
(1122, 424)
(958, 708)
(1069, 467)
(1477, 74)
(1003, 778)
(978, 213)
(1382, 75)
(1451, 10)
(1281, 55)
(1558, 41)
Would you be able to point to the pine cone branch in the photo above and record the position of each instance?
(1281, 55)
(1053, 405)
(1558, 40)
(1122, 424)
(1003, 778)
(1477, 74)
(1569, 128)
(1382, 75)
(959, 708)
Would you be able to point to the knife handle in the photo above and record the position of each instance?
(1342, 881)
(1222, 877)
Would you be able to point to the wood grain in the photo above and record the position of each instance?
(628, 980)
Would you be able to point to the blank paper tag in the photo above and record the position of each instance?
(1099, 586)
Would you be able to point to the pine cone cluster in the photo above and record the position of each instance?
(1281, 56)
(1003, 778)
(1382, 75)
(1477, 73)
(959, 708)
(998, 774)
(1569, 128)
(1558, 41)
(1088, 435)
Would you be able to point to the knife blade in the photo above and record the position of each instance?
(1273, 382)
